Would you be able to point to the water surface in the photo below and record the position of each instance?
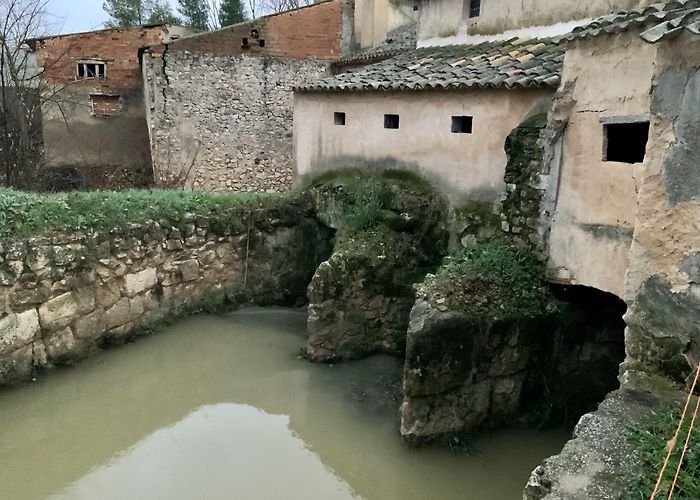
(220, 407)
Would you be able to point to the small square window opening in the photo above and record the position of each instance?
(462, 124)
(339, 118)
(91, 70)
(474, 8)
(625, 142)
(244, 43)
(391, 121)
(261, 42)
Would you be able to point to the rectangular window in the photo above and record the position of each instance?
(104, 105)
(625, 141)
(339, 118)
(474, 8)
(91, 70)
(462, 124)
(391, 121)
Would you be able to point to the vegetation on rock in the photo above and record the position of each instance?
(654, 436)
(28, 214)
(491, 280)
(390, 231)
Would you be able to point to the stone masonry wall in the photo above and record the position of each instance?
(63, 296)
(222, 122)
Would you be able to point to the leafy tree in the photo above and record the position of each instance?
(162, 13)
(126, 13)
(195, 12)
(231, 12)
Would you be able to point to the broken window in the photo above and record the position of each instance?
(339, 118)
(625, 139)
(104, 105)
(391, 121)
(87, 70)
(462, 124)
(474, 8)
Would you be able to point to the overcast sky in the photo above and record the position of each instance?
(72, 16)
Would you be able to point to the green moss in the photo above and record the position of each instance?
(29, 214)
(536, 121)
(492, 280)
(652, 436)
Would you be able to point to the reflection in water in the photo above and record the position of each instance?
(217, 452)
(220, 407)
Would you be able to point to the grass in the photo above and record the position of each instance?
(28, 214)
(492, 280)
(653, 436)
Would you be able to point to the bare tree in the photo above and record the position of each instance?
(23, 91)
(277, 6)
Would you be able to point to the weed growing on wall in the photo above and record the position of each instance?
(653, 437)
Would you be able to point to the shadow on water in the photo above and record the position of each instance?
(221, 407)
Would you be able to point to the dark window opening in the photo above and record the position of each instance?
(625, 142)
(261, 42)
(462, 124)
(339, 118)
(91, 70)
(474, 8)
(391, 121)
(254, 33)
(415, 7)
(245, 43)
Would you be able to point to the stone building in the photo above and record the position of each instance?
(443, 112)
(220, 103)
(482, 67)
(94, 123)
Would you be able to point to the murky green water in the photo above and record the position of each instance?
(219, 407)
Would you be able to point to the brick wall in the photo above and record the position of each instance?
(119, 48)
(98, 126)
(314, 31)
(105, 105)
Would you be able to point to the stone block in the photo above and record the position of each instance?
(16, 367)
(58, 312)
(60, 346)
(18, 330)
(140, 282)
(109, 293)
(118, 314)
(189, 270)
(89, 326)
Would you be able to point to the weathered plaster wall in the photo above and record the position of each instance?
(63, 296)
(464, 166)
(596, 201)
(450, 18)
(374, 19)
(222, 122)
(663, 282)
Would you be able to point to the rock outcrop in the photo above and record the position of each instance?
(488, 342)
(390, 229)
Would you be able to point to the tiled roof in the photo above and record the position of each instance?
(656, 22)
(512, 63)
